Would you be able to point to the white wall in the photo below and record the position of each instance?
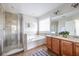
(33, 24)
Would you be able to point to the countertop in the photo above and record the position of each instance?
(69, 38)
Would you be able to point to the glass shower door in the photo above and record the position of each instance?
(11, 32)
(1, 30)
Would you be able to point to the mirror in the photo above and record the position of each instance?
(66, 22)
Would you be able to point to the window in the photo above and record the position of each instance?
(44, 25)
(77, 27)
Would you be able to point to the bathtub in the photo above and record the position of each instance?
(34, 41)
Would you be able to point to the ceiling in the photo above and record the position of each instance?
(31, 9)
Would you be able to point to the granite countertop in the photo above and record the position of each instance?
(69, 38)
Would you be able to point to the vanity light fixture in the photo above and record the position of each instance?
(56, 13)
(75, 5)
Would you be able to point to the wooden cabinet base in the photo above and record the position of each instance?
(62, 47)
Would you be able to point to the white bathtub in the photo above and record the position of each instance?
(34, 41)
(31, 38)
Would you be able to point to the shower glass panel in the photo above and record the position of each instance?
(11, 40)
(1, 30)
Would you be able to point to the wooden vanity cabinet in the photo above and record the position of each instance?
(49, 42)
(61, 46)
(66, 48)
(56, 46)
(76, 49)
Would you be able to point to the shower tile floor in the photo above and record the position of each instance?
(12, 52)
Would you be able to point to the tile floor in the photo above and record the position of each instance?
(29, 52)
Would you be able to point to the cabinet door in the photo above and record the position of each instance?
(49, 42)
(56, 46)
(66, 48)
(77, 49)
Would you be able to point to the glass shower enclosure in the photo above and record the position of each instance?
(10, 39)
